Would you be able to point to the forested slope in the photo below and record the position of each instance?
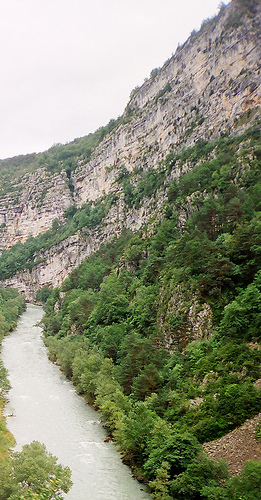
(160, 330)
(58, 206)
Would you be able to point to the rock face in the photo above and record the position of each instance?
(200, 92)
(31, 206)
(56, 263)
(210, 86)
(182, 318)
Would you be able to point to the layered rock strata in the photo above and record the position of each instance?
(210, 86)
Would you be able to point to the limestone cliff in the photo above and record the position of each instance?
(31, 205)
(210, 86)
(200, 92)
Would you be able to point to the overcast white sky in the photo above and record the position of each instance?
(68, 66)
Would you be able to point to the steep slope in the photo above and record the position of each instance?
(211, 86)
(31, 205)
(199, 93)
(159, 328)
(237, 447)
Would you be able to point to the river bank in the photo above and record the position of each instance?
(45, 407)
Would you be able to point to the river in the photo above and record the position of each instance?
(44, 406)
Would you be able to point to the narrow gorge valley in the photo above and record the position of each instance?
(142, 242)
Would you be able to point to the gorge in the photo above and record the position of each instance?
(45, 408)
(143, 242)
(211, 86)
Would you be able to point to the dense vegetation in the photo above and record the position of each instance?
(32, 473)
(26, 255)
(159, 330)
(11, 306)
(122, 325)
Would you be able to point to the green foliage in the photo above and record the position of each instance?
(43, 294)
(148, 182)
(58, 157)
(240, 10)
(178, 450)
(199, 475)
(154, 72)
(135, 433)
(245, 117)
(248, 484)
(4, 383)
(162, 92)
(206, 479)
(25, 256)
(122, 323)
(160, 485)
(15, 167)
(109, 329)
(242, 316)
(11, 306)
(34, 466)
(112, 304)
(134, 91)
(34, 473)
(233, 194)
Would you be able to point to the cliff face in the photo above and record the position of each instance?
(31, 204)
(56, 263)
(203, 90)
(210, 86)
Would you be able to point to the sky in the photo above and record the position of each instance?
(68, 66)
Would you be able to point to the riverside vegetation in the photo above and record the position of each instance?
(32, 473)
(108, 324)
(116, 334)
(160, 329)
(121, 325)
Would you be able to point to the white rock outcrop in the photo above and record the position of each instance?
(206, 88)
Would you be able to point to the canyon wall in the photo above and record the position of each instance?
(211, 86)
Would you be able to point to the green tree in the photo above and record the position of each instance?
(135, 433)
(242, 317)
(200, 473)
(166, 445)
(112, 305)
(160, 485)
(35, 471)
(248, 484)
